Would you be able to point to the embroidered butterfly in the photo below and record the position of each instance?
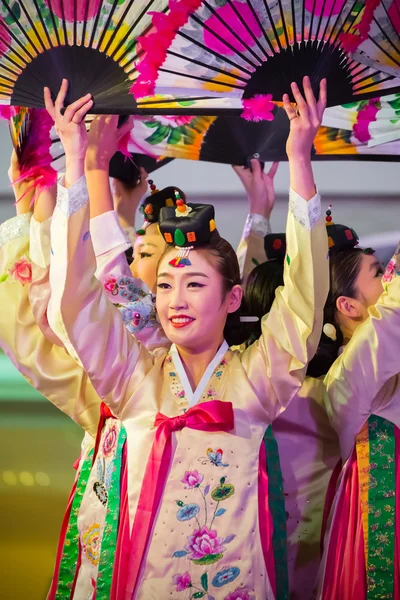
(103, 484)
(215, 458)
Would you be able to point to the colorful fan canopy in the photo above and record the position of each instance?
(41, 155)
(233, 140)
(375, 122)
(253, 49)
(92, 43)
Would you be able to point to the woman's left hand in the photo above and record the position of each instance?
(103, 140)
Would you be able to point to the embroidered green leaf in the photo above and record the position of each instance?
(198, 595)
(255, 262)
(180, 503)
(222, 480)
(159, 135)
(223, 492)
(209, 559)
(4, 278)
(204, 581)
(151, 123)
(288, 259)
(179, 237)
(175, 136)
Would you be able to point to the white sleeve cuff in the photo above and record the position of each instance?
(70, 200)
(257, 224)
(14, 228)
(306, 213)
(107, 233)
(130, 235)
(39, 247)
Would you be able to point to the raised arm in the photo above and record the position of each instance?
(45, 366)
(368, 361)
(80, 313)
(276, 363)
(261, 196)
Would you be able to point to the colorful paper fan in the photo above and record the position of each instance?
(253, 49)
(374, 122)
(233, 140)
(92, 43)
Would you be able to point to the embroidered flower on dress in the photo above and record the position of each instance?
(101, 492)
(192, 479)
(239, 594)
(187, 512)
(223, 491)
(204, 546)
(225, 576)
(109, 441)
(91, 543)
(110, 284)
(182, 581)
(22, 270)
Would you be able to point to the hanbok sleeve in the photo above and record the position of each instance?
(276, 363)
(368, 361)
(45, 366)
(250, 251)
(80, 313)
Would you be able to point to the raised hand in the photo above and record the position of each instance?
(259, 187)
(127, 198)
(104, 137)
(306, 119)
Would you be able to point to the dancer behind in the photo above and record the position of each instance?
(216, 459)
(35, 350)
(261, 196)
(361, 558)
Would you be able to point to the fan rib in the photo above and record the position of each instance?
(146, 30)
(17, 40)
(390, 42)
(233, 33)
(94, 29)
(256, 40)
(312, 21)
(212, 67)
(121, 21)
(216, 54)
(54, 23)
(16, 73)
(31, 23)
(200, 78)
(75, 23)
(283, 23)
(278, 41)
(347, 19)
(257, 18)
(115, 29)
(43, 23)
(218, 37)
(22, 59)
(366, 87)
(84, 28)
(397, 62)
(64, 25)
(294, 22)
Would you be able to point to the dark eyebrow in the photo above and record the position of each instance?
(376, 264)
(146, 244)
(185, 274)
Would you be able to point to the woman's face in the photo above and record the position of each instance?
(147, 252)
(369, 282)
(191, 304)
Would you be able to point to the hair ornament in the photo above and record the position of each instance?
(330, 331)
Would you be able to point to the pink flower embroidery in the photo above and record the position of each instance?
(204, 542)
(390, 271)
(239, 594)
(365, 117)
(109, 441)
(22, 271)
(182, 582)
(191, 479)
(177, 121)
(110, 284)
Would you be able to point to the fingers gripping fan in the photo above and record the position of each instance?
(254, 49)
(92, 43)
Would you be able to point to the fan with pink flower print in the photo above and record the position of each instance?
(367, 130)
(92, 43)
(251, 50)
